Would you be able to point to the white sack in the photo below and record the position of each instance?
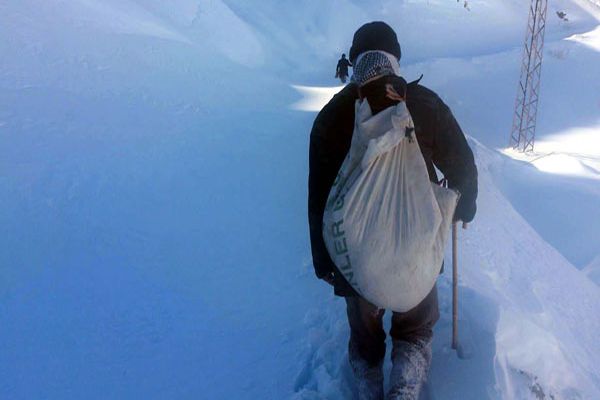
(385, 224)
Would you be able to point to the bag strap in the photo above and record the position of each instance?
(416, 81)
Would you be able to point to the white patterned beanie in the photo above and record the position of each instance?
(371, 65)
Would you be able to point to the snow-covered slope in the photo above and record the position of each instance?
(593, 270)
(153, 180)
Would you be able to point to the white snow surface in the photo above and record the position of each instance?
(593, 270)
(153, 164)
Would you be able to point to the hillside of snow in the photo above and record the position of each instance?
(153, 170)
(593, 270)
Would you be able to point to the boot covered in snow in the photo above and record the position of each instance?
(369, 378)
(410, 366)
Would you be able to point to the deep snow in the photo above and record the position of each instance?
(153, 177)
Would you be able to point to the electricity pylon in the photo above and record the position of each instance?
(523, 129)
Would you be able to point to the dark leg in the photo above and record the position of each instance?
(411, 333)
(366, 349)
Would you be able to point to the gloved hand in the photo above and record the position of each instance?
(465, 210)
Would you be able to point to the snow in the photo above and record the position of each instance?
(591, 39)
(526, 277)
(314, 98)
(593, 270)
(153, 163)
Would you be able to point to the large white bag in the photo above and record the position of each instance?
(385, 224)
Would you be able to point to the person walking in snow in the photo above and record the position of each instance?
(443, 145)
(341, 70)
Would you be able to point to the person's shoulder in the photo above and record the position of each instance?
(348, 94)
(340, 106)
(422, 96)
(424, 102)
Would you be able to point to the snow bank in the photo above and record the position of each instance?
(548, 339)
(593, 270)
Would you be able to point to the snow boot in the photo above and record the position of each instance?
(369, 378)
(410, 366)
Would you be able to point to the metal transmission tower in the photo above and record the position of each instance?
(523, 128)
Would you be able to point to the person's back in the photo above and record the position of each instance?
(442, 144)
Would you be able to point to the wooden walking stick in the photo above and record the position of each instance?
(455, 285)
(462, 352)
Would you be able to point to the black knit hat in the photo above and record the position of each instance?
(375, 35)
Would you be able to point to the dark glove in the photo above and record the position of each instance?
(465, 210)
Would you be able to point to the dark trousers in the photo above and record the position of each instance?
(367, 337)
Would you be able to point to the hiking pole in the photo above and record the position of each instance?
(462, 353)
(454, 286)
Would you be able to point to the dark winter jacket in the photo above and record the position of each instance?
(440, 138)
(342, 67)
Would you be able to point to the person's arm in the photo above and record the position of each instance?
(454, 158)
(318, 191)
(329, 143)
